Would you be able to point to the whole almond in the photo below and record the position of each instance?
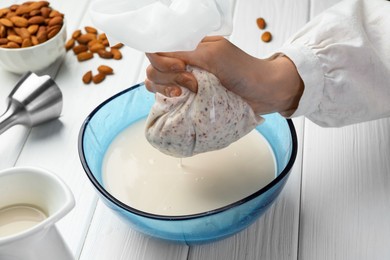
(19, 21)
(27, 43)
(80, 48)
(57, 20)
(116, 54)
(22, 32)
(42, 34)
(33, 28)
(261, 23)
(85, 38)
(76, 34)
(35, 13)
(98, 78)
(92, 42)
(87, 78)
(105, 54)
(97, 47)
(12, 45)
(83, 56)
(53, 32)
(38, 5)
(106, 70)
(106, 43)
(90, 29)
(15, 38)
(266, 37)
(102, 36)
(23, 9)
(45, 11)
(54, 13)
(117, 46)
(36, 20)
(6, 22)
(34, 40)
(69, 44)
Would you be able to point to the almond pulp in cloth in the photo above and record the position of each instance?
(195, 123)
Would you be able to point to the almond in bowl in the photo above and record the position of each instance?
(32, 36)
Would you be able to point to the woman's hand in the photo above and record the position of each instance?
(267, 85)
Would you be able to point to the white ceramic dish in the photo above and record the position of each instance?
(35, 58)
(44, 190)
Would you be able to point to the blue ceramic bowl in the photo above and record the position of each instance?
(118, 112)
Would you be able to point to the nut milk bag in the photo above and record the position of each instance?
(192, 123)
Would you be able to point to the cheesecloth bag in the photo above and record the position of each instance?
(192, 123)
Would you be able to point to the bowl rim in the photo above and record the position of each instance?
(130, 209)
(60, 32)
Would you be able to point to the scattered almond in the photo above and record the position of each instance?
(85, 38)
(98, 78)
(87, 78)
(266, 37)
(80, 48)
(116, 54)
(117, 46)
(76, 34)
(90, 29)
(83, 56)
(105, 54)
(85, 43)
(97, 47)
(69, 44)
(106, 70)
(261, 23)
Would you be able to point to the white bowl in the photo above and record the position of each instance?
(35, 58)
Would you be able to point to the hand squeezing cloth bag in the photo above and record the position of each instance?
(192, 123)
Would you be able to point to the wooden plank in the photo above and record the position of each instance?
(111, 238)
(346, 191)
(318, 6)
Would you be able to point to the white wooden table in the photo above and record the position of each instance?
(336, 204)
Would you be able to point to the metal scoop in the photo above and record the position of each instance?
(33, 101)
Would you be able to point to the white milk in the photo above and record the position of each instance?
(17, 218)
(144, 178)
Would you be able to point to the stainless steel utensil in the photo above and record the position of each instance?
(34, 100)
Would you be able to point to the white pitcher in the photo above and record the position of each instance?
(43, 190)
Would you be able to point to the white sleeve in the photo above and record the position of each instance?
(343, 58)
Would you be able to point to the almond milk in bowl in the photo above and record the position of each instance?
(193, 200)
